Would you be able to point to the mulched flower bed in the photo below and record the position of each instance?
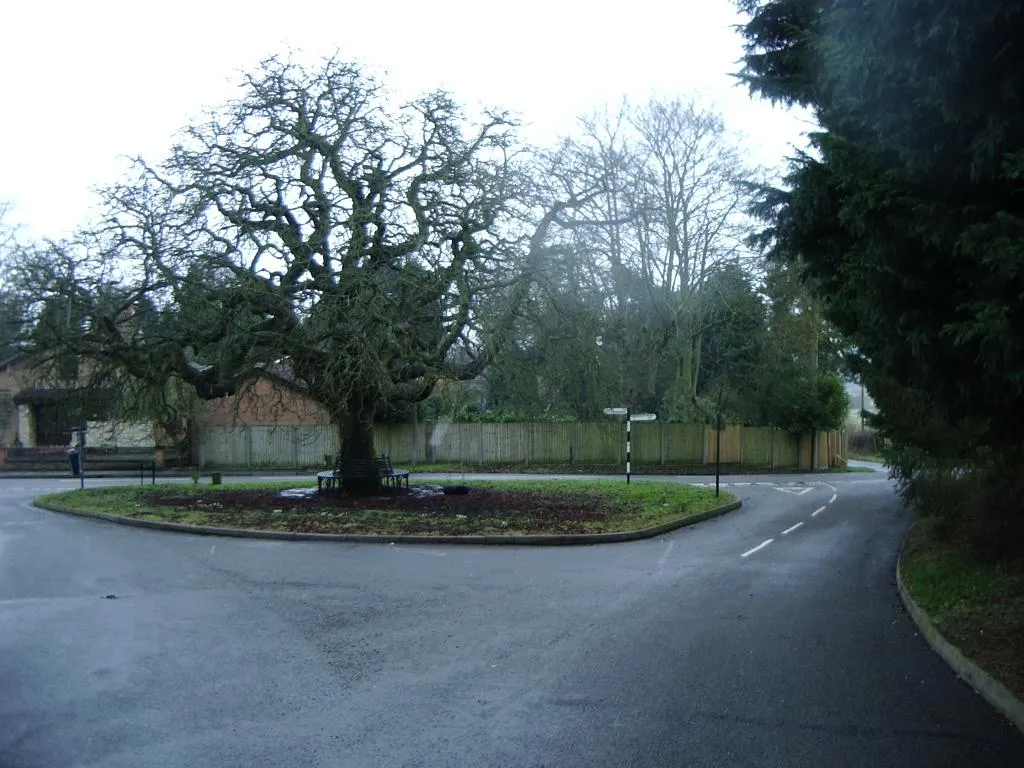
(478, 511)
(479, 501)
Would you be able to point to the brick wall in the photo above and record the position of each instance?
(265, 404)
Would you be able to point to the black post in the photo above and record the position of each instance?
(718, 454)
(81, 454)
(862, 406)
(629, 435)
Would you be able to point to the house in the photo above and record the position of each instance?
(27, 413)
(37, 413)
(34, 414)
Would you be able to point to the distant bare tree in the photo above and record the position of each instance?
(694, 198)
(673, 212)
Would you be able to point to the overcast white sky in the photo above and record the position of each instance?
(87, 83)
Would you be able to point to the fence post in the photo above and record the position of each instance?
(718, 453)
(200, 457)
(415, 432)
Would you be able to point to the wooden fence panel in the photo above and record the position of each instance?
(646, 439)
(523, 443)
(601, 443)
(731, 443)
(224, 447)
(787, 449)
(684, 443)
(269, 445)
(312, 444)
(444, 443)
(552, 442)
(756, 446)
(399, 441)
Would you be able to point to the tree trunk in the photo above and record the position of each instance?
(684, 377)
(698, 350)
(358, 473)
(685, 388)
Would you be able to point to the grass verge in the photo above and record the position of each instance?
(977, 606)
(491, 507)
(611, 470)
(875, 457)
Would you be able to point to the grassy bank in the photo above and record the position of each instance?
(490, 507)
(977, 606)
(876, 457)
(612, 469)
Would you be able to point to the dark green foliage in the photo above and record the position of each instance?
(733, 349)
(798, 402)
(766, 359)
(907, 216)
(13, 319)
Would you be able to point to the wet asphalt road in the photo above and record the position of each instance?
(704, 647)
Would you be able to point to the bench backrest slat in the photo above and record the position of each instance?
(382, 467)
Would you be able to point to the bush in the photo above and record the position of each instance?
(801, 403)
(865, 441)
(976, 502)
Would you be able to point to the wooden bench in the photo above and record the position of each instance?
(123, 460)
(381, 467)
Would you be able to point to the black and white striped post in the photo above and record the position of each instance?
(629, 442)
(630, 418)
(718, 452)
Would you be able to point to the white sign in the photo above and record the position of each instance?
(616, 411)
(643, 417)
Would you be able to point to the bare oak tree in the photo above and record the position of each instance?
(309, 233)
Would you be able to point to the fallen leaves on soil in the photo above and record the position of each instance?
(396, 510)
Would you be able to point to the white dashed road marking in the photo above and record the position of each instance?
(792, 528)
(664, 555)
(834, 495)
(817, 512)
(760, 546)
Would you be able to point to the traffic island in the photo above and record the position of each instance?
(491, 512)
